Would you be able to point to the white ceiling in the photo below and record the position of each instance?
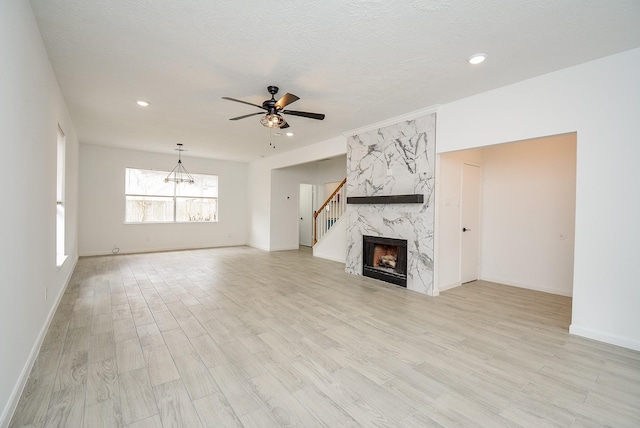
(357, 61)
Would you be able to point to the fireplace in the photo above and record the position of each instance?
(385, 259)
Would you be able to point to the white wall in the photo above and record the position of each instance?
(285, 203)
(102, 204)
(333, 245)
(332, 170)
(528, 214)
(266, 207)
(600, 100)
(259, 204)
(31, 107)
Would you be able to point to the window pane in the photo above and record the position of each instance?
(60, 218)
(150, 199)
(196, 209)
(148, 209)
(203, 186)
(209, 185)
(147, 182)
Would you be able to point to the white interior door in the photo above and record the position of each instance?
(305, 212)
(470, 223)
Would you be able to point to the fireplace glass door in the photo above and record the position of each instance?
(385, 259)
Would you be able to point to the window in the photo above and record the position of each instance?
(150, 200)
(60, 218)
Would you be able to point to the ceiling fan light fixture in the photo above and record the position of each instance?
(273, 120)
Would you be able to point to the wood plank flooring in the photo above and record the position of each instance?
(235, 337)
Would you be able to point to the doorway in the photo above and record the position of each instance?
(527, 215)
(305, 214)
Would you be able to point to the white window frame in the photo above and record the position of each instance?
(61, 255)
(175, 197)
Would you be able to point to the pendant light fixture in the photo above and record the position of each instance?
(179, 174)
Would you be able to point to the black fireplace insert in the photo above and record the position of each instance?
(385, 259)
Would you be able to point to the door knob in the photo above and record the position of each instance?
(464, 229)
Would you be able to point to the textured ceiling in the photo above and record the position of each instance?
(357, 61)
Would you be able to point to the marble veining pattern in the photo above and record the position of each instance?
(394, 160)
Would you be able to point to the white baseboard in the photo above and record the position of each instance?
(332, 258)
(285, 248)
(535, 287)
(154, 250)
(258, 247)
(449, 286)
(14, 398)
(601, 336)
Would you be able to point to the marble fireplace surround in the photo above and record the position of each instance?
(386, 165)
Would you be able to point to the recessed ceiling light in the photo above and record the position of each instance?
(142, 103)
(477, 58)
(289, 134)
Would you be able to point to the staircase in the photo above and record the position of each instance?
(329, 213)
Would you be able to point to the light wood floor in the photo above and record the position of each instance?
(242, 337)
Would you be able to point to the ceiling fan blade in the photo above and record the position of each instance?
(286, 100)
(243, 102)
(317, 116)
(286, 125)
(246, 115)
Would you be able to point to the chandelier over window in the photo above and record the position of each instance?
(179, 173)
